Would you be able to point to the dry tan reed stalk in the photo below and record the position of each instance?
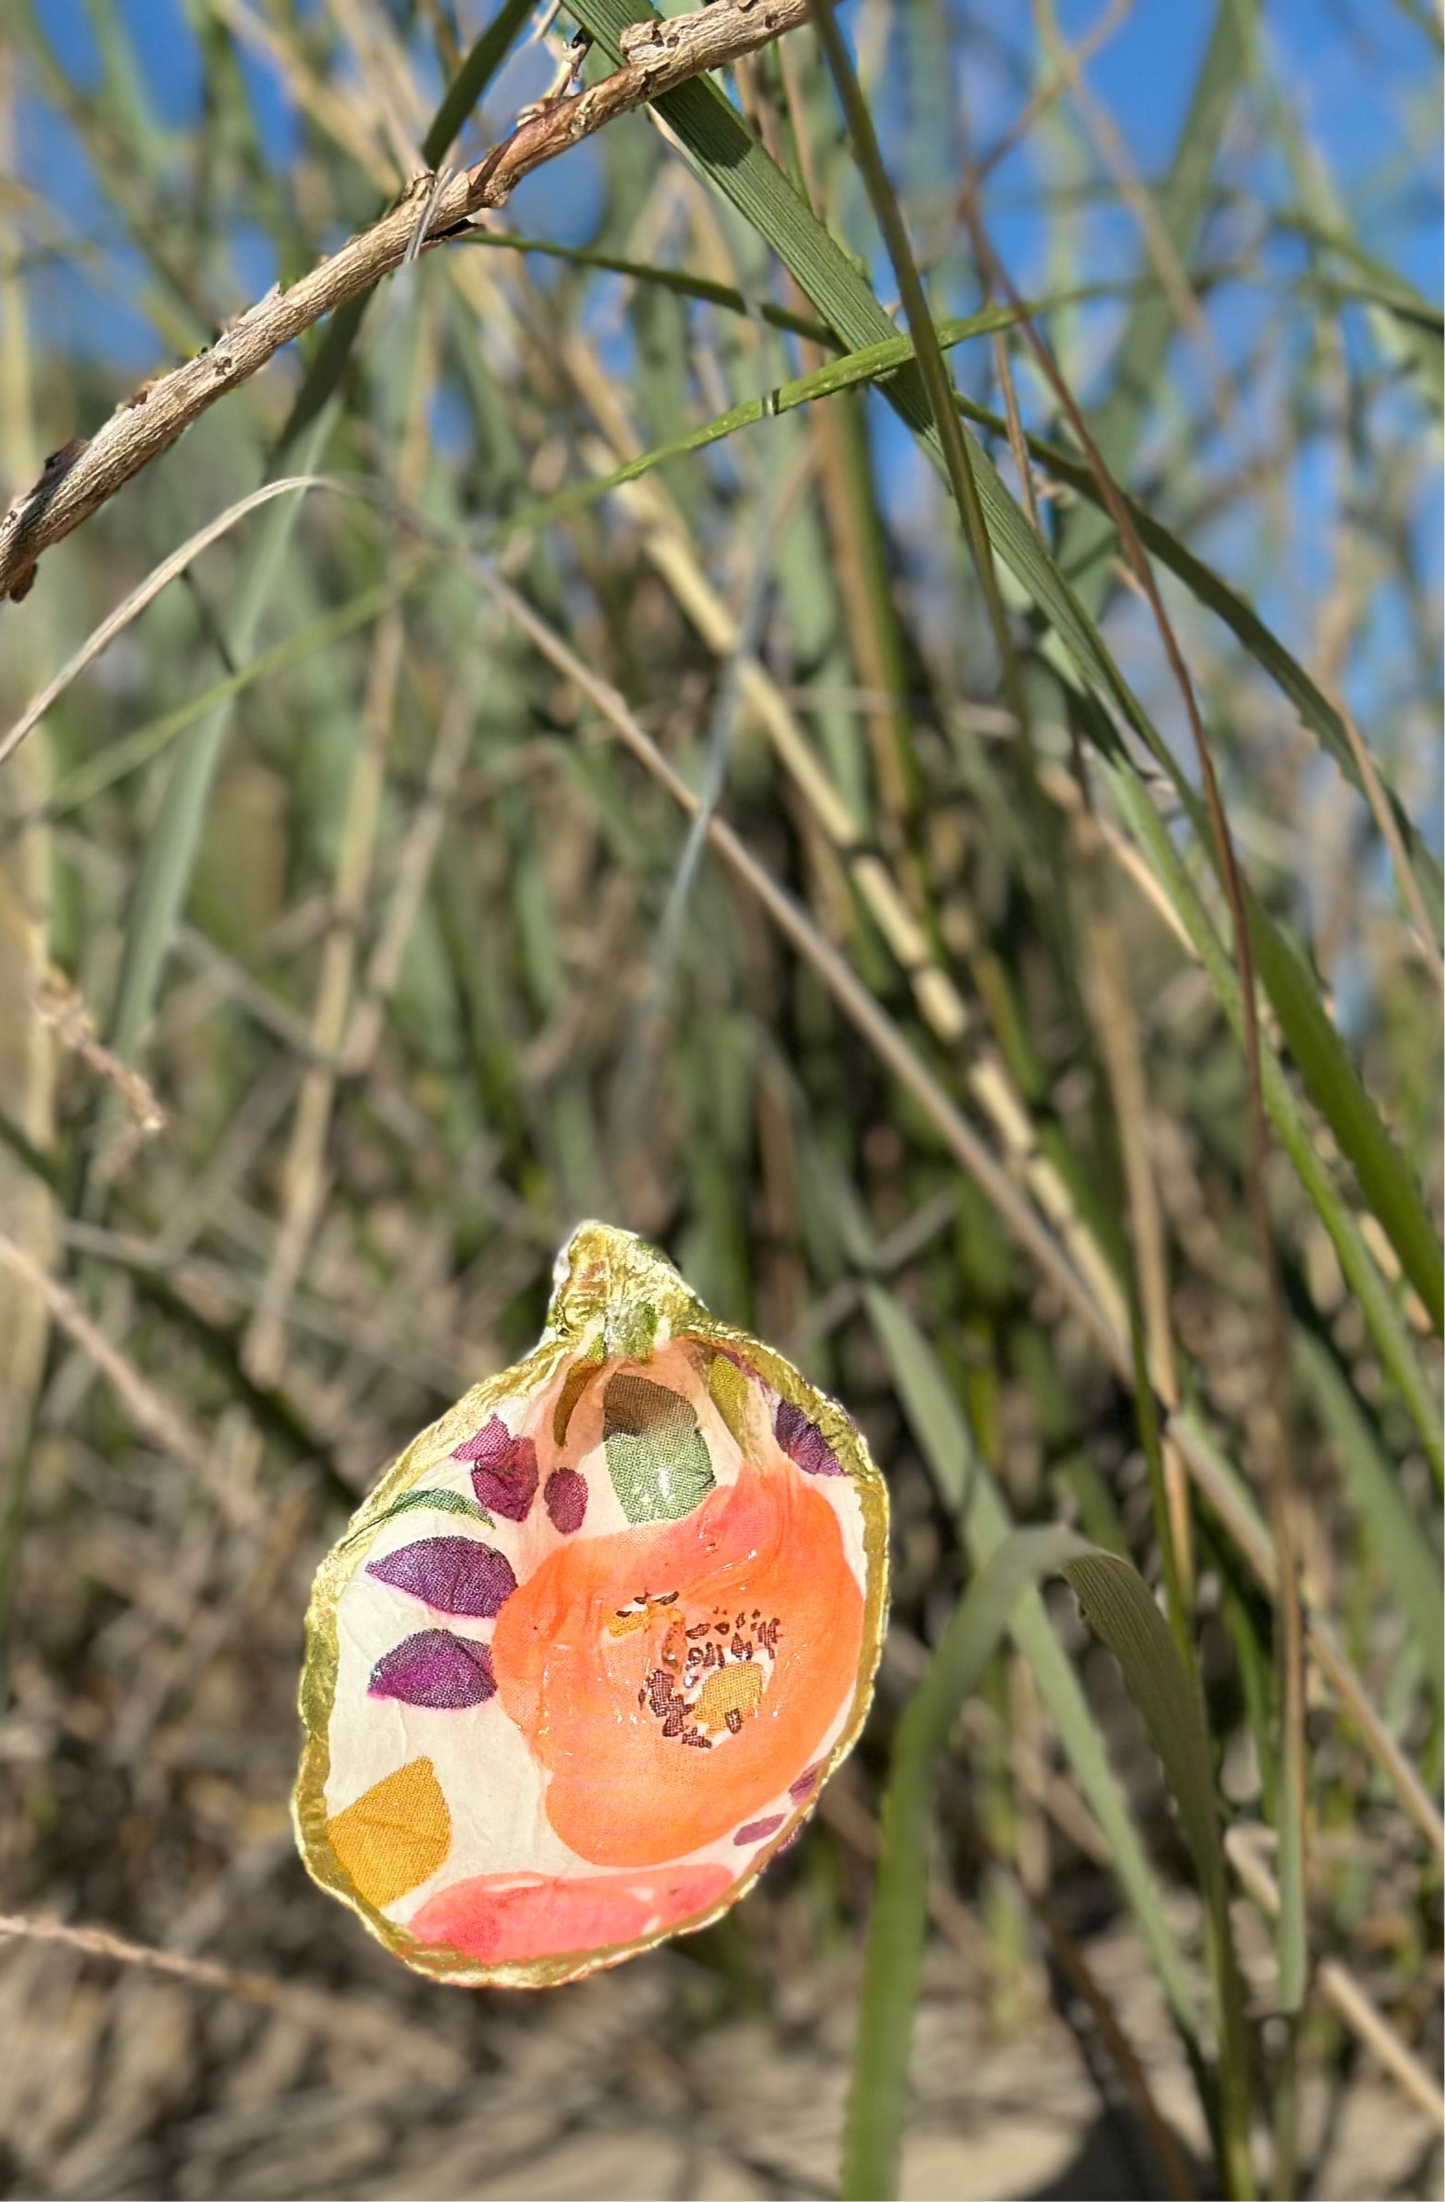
(1341, 1990)
(79, 478)
(367, 2026)
(148, 1409)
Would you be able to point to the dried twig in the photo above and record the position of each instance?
(145, 592)
(1341, 1990)
(60, 1005)
(338, 2018)
(147, 1408)
(657, 57)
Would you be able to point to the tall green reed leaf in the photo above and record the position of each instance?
(1122, 1612)
(972, 1497)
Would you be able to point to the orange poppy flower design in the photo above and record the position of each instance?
(584, 1711)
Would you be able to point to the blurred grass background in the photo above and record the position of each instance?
(348, 958)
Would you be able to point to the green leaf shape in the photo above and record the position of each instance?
(656, 1455)
(444, 1502)
(1121, 1611)
(440, 1502)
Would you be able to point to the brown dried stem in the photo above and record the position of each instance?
(77, 480)
(366, 2025)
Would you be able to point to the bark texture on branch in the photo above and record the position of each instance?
(79, 478)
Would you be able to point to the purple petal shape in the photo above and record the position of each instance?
(488, 1445)
(805, 1784)
(435, 1668)
(564, 1495)
(803, 1442)
(505, 1473)
(758, 1831)
(450, 1574)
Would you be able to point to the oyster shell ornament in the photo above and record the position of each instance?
(585, 1656)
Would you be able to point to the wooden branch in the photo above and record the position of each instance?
(657, 56)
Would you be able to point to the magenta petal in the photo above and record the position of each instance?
(758, 1831)
(505, 1475)
(450, 1574)
(490, 1444)
(803, 1442)
(565, 1496)
(435, 1668)
(805, 1784)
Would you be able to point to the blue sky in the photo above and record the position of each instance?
(1349, 69)
(1348, 66)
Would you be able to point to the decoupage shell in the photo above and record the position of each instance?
(587, 1653)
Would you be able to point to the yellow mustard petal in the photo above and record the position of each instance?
(730, 1690)
(395, 1835)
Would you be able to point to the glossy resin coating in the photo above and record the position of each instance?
(589, 1650)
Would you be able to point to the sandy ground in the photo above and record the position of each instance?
(649, 2082)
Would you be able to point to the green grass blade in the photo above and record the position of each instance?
(1408, 1557)
(678, 280)
(487, 54)
(1313, 1041)
(1387, 1326)
(1332, 1079)
(1121, 1611)
(165, 872)
(973, 1497)
(893, 1955)
(129, 752)
(1269, 653)
(844, 373)
(932, 367)
(733, 161)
